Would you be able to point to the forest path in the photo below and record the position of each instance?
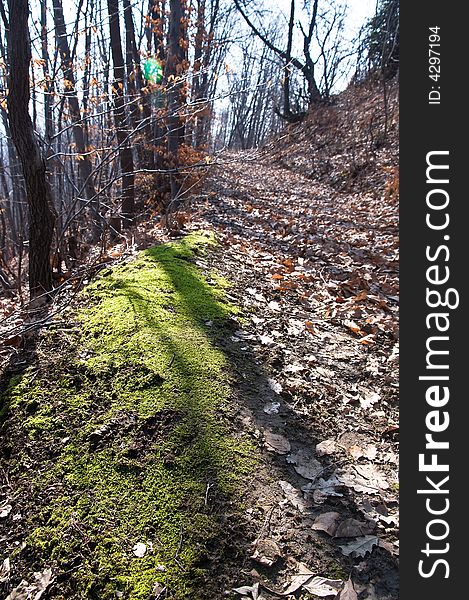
(317, 369)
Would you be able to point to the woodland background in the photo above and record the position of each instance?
(90, 148)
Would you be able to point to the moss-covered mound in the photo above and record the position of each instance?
(121, 464)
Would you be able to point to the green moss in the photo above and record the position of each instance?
(335, 570)
(133, 413)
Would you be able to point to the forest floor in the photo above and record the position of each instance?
(220, 420)
(316, 359)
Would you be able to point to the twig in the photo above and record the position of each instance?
(264, 527)
(207, 489)
(181, 566)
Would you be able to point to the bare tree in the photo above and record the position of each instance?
(307, 66)
(85, 167)
(176, 65)
(125, 151)
(41, 209)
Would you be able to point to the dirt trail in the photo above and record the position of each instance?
(315, 365)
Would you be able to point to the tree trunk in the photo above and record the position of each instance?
(125, 151)
(156, 26)
(48, 123)
(136, 83)
(175, 67)
(85, 167)
(200, 36)
(41, 210)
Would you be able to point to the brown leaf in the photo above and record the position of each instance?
(267, 552)
(14, 341)
(294, 496)
(353, 327)
(305, 465)
(360, 296)
(322, 587)
(248, 590)
(389, 547)
(360, 546)
(298, 580)
(363, 478)
(326, 447)
(321, 488)
(347, 592)
(276, 442)
(327, 522)
(33, 591)
(353, 528)
(357, 452)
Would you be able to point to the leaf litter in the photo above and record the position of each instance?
(35, 590)
(312, 249)
(300, 255)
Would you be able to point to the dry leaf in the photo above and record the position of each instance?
(267, 552)
(326, 447)
(360, 546)
(276, 442)
(305, 465)
(322, 587)
(363, 478)
(353, 528)
(248, 590)
(357, 452)
(323, 488)
(294, 496)
(367, 339)
(389, 547)
(354, 328)
(33, 591)
(347, 592)
(5, 571)
(360, 296)
(368, 397)
(298, 580)
(327, 522)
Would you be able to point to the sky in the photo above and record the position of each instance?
(359, 11)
